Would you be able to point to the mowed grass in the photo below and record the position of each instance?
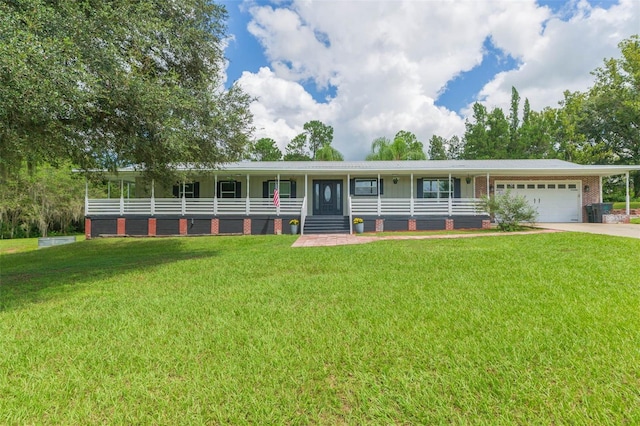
(534, 329)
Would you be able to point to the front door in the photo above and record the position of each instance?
(327, 197)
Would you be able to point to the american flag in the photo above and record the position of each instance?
(276, 198)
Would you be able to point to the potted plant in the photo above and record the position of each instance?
(294, 225)
(359, 225)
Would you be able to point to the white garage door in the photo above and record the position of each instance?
(555, 201)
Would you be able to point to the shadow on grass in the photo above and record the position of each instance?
(39, 275)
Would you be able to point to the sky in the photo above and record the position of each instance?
(370, 68)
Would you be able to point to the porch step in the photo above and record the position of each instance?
(326, 225)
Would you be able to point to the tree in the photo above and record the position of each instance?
(317, 135)
(514, 149)
(455, 148)
(103, 84)
(296, 150)
(328, 153)
(437, 149)
(613, 106)
(265, 149)
(405, 146)
(42, 198)
(313, 144)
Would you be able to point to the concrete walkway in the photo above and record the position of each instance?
(321, 240)
(614, 229)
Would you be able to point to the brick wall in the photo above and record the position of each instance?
(246, 226)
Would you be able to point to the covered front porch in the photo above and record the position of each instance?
(405, 201)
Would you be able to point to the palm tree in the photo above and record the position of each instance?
(405, 146)
(328, 153)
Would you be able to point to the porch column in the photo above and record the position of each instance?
(86, 197)
(248, 200)
(183, 200)
(601, 198)
(153, 197)
(488, 192)
(628, 212)
(215, 195)
(121, 198)
(379, 201)
(348, 192)
(278, 186)
(450, 197)
(411, 203)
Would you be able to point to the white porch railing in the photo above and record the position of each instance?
(421, 206)
(190, 206)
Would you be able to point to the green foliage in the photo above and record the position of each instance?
(43, 198)
(405, 146)
(265, 149)
(509, 211)
(105, 84)
(297, 149)
(247, 330)
(437, 149)
(318, 135)
(313, 144)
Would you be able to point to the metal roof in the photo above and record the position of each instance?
(426, 167)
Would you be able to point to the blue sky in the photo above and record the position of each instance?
(371, 68)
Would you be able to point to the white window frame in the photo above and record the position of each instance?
(443, 189)
(365, 190)
(224, 191)
(285, 188)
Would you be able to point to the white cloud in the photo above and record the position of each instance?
(389, 60)
(563, 57)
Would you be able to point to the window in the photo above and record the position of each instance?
(436, 188)
(189, 190)
(285, 188)
(227, 189)
(366, 187)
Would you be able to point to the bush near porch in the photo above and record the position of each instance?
(533, 329)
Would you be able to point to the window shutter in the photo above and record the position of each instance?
(456, 188)
(238, 189)
(381, 186)
(265, 189)
(196, 189)
(293, 189)
(420, 189)
(176, 191)
(352, 186)
(218, 186)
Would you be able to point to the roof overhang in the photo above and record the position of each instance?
(520, 168)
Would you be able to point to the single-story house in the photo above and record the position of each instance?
(325, 196)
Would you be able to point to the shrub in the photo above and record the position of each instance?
(509, 211)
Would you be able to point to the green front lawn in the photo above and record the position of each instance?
(623, 205)
(534, 329)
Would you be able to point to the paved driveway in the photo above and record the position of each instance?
(615, 229)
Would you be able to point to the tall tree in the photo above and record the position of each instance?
(296, 150)
(265, 149)
(455, 148)
(318, 135)
(103, 84)
(614, 107)
(313, 144)
(437, 148)
(514, 149)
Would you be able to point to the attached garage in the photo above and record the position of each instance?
(555, 201)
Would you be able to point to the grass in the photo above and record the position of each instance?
(522, 329)
(635, 220)
(623, 205)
